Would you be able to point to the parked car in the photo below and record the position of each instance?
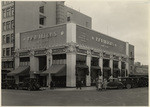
(29, 84)
(129, 82)
(143, 82)
(8, 84)
(114, 83)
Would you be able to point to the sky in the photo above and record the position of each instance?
(124, 20)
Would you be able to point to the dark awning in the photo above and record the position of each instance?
(56, 70)
(95, 67)
(21, 70)
(81, 66)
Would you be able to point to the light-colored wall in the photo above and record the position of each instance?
(27, 15)
(79, 18)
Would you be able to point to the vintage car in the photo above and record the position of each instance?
(29, 84)
(129, 82)
(114, 83)
(8, 84)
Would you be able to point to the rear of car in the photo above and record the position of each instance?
(114, 83)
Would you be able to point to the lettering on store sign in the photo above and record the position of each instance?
(43, 36)
(97, 39)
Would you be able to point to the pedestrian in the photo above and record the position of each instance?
(96, 83)
(51, 85)
(111, 78)
(105, 84)
(77, 84)
(99, 84)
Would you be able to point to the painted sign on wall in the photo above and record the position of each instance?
(100, 41)
(43, 37)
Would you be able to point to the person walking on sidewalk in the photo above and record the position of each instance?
(105, 84)
(78, 85)
(99, 84)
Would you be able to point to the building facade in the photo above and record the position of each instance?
(22, 16)
(66, 53)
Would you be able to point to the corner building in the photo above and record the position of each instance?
(69, 52)
(22, 16)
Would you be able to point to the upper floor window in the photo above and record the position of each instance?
(4, 52)
(12, 51)
(4, 13)
(41, 9)
(42, 21)
(8, 38)
(12, 10)
(131, 53)
(7, 51)
(8, 26)
(69, 14)
(4, 26)
(8, 12)
(12, 38)
(4, 39)
(12, 24)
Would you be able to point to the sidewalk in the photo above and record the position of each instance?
(68, 89)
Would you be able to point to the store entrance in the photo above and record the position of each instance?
(59, 81)
(81, 75)
(106, 69)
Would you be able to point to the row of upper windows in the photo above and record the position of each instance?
(9, 25)
(8, 64)
(9, 38)
(8, 51)
(8, 12)
(7, 2)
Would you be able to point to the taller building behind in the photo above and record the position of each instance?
(24, 16)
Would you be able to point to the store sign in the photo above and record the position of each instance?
(97, 40)
(40, 52)
(24, 54)
(43, 38)
(60, 50)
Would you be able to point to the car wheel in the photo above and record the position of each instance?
(128, 86)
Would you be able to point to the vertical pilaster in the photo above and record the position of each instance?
(34, 64)
(71, 55)
(111, 64)
(119, 65)
(127, 67)
(17, 60)
(71, 69)
(127, 60)
(88, 63)
(49, 63)
(101, 63)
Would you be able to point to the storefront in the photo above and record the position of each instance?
(67, 53)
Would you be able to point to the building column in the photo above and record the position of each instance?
(17, 63)
(101, 63)
(17, 60)
(88, 63)
(71, 66)
(127, 68)
(119, 65)
(49, 63)
(111, 64)
(34, 64)
(127, 60)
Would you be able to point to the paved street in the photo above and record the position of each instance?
(73, 97)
